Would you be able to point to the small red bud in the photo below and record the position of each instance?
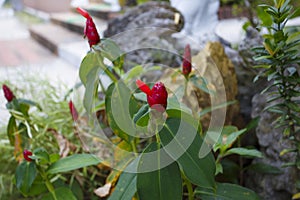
(73, 111)
(186, 63)
(9, 95)
(157, 97)
(90, 30)
(26, 155)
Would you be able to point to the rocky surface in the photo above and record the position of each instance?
(271, 141)
(144, 34)
(243, 62)
(215, 66)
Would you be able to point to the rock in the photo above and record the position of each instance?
(151, 14)
(271, 141)
(243, 62)
(212, 64)
(144, 34)
(206, 61)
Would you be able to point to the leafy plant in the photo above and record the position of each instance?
(279, 60)
(155, 144)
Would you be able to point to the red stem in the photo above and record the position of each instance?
(83, 12)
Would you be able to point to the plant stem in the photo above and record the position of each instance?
(106, 70)
(133, 146)
(49, 185)
(189, 187)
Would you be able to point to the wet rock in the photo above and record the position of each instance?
(144, 34)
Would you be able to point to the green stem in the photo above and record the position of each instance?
(189, 187)
(106, 70)
(133, 146)
(49, 185)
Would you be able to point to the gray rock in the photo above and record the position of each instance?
(242, 59)
(271, 141)
(144, 34)
(151, 14)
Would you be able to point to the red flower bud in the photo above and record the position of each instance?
(9, 95)
(90, 30)
(73, 111)
(26, 155)
(157, 96)
(186, 63)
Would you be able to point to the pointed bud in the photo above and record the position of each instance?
(73, 111)
(157, 97)
(9, 95)
(26, 155)
(186, 63)
(90, 30)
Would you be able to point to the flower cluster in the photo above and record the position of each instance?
(156, 97)
(90, 30)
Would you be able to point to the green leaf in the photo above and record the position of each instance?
(12, 129)
(73, 162)
(244, 152)
(264, 168)
(30, 103)
(228, 136)
(201, 83)
(25, 175)
(91, 90)
(121, 105)
(133, 72)
(126, 186)
(109, 49)
(160, 183)
(182, 142)
(226, 191)
(89, 62)
(61, 193)
(41, 154)
(222, 105)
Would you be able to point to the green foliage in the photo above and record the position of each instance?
(279, 60)
(226, 191)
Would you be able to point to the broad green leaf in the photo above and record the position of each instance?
(73, 162)
(91, 89)
(25, 175)
(133, 72)
(226, 191)
(144, 110)
(126, 186)
(244, 152)
(160, 182)
(264, 168)
(62, 193)
(42, 155)
(109, 49)
(89, 62)
(12, 130)
(38, 187)
(121, 106)
(182, 142)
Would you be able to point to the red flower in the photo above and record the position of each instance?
(26, 155)
(9, 95)
(186, 63)
(157, 96)
(90, 30)
(73, 111)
